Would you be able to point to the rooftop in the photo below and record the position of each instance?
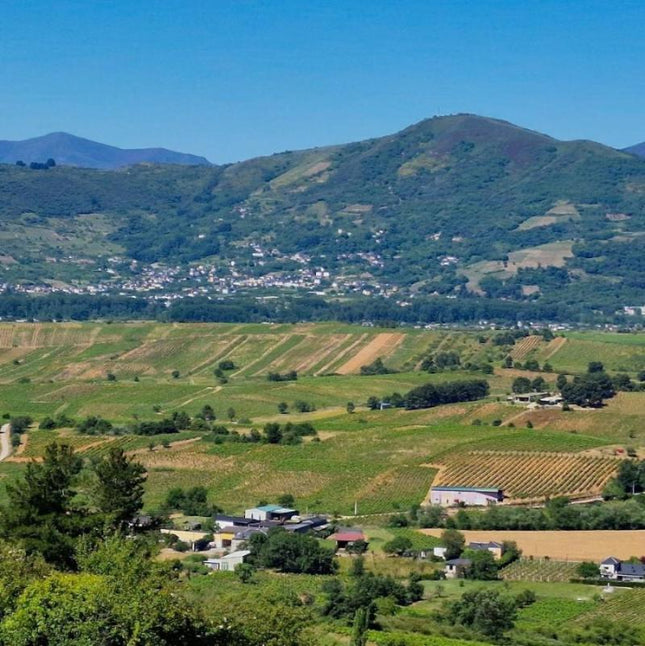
(473, 489)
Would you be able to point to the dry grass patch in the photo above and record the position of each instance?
(593, 545)
(380, 346)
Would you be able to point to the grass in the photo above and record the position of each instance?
(376, 459)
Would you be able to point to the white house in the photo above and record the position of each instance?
(613, 568)
(228, 562)
(456, 568)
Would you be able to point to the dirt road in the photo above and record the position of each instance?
(5, 441)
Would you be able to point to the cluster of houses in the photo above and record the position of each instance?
(232, 533)
(456, 568)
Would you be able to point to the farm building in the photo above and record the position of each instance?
(476, 496)
(528, 398)
(228, 562)
(456, 568)
(496, 549)
(613, 568)
(346, 537)
(270, 512)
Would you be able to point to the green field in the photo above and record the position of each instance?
(376, 460)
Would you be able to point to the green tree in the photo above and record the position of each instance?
(283, 408)
(521, 385)
(360, 626)
(287, 500)
(350, 407)
(119, 488)
(399, 545)
(561, 382)
(588, 570)
(40, 513)
(482, 565)
(484, 610)
(454, 542)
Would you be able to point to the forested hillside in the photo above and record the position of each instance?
(456, 206)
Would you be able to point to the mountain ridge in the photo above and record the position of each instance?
(636, 149)
(457, 206)
(71, 150)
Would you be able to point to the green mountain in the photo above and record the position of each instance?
(70, 150)
(456, 205)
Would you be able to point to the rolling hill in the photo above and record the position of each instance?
(69, 150)
(637, 149)
(456, 206)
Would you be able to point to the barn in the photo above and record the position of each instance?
(475, 496)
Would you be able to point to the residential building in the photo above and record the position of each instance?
(496, 549)
(456, 568)
(613, 568)
(228, 562)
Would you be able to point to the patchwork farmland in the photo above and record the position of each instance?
(382, 461)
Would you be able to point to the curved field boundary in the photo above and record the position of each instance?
(554, 346)
(381, 344)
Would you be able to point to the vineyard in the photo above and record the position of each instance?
(625, 606)
(549, 613)
(539, 570)
(527, 474)
(525, 346)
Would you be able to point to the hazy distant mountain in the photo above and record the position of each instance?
(637, 149)
(69, 150)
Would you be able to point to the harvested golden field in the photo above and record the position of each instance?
(527, 474)
(592, 545)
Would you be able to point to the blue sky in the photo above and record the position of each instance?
(232, 79)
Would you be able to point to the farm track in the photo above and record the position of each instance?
(209, 390)
(5, 438)
(555, 345)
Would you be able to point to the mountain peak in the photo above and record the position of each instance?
(70, 150)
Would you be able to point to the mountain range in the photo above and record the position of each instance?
(637, 149)
(69, 150)
(458, 206)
